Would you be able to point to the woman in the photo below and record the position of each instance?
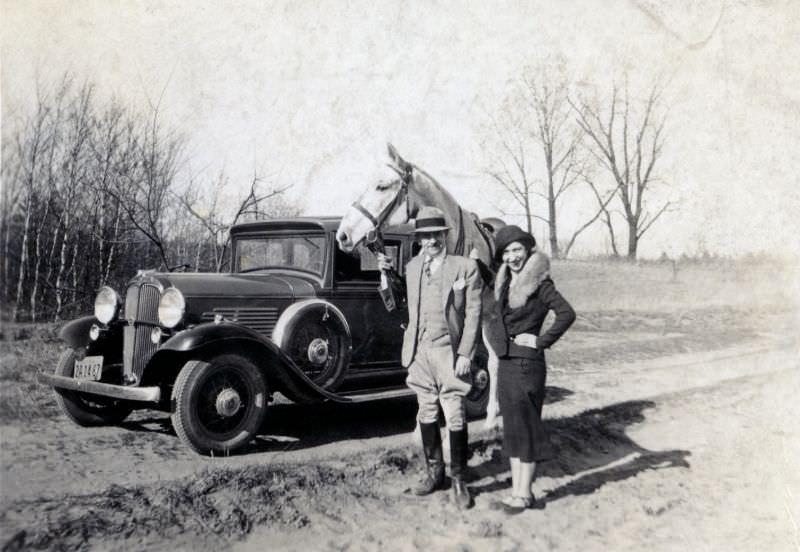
(525, 294)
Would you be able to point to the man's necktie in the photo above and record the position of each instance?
(426, 266)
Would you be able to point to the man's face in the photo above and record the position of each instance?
(433, 243)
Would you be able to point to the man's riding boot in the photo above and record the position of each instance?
(433, 479)
(459, 450)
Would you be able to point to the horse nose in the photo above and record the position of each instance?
(343, 239)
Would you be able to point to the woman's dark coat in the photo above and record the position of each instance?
(524, 309)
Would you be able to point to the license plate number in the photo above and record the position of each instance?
(90, 368)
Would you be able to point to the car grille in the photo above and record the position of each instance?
(141, 312)
(262, 320)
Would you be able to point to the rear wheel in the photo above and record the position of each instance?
(83, 408)
(478, 397)
(219, 404)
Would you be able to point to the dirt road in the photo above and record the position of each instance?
(699, 452)
(686, 451)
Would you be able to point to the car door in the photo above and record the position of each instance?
(377, 334)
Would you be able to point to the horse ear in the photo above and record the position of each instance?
(401, 164)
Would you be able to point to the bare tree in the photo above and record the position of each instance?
(96, 181)
(603, 202)
(255, 205)
(11, 192)
(30, 148)
(113, 153)
(541, 158)
(627, 139)
(602, 209)
(559, 139)
(48, 179)
(79, 123)
(143, 192)
(511, 168)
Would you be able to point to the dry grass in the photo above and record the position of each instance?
(594, 286)
(25, 350)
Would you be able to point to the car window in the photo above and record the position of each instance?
(296, 252)
(361, 265)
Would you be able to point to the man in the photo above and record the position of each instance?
(444, 305)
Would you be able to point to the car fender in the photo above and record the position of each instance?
(212, 334)
(76, 332)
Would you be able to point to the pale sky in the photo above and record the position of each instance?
(309, 92)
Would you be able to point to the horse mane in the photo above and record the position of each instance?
(468, 233)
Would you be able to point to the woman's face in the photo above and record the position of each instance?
(515, 256)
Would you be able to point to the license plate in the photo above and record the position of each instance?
(90, 368)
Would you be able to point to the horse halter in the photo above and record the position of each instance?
(380, 219)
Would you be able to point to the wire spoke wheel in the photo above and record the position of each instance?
(219, 404)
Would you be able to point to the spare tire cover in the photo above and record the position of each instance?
(316, 336)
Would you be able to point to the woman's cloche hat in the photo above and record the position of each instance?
(508, 235)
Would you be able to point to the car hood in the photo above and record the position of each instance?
(230, 285)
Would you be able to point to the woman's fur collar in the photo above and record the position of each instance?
(526, 282)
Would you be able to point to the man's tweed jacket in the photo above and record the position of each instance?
(461, 302)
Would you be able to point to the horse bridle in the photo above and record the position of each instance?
(378, 221)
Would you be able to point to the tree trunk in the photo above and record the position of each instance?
(555, 250)
(111, 250)
(51, 256)
(37, 255)
(61, 269)
(6, 250)
(75, 273)
(633, 242)
(62, 266)
(23, 257)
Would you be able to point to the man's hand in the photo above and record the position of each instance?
(463, 365)
(384, 262)
(526, 340)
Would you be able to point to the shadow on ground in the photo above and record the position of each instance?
(298, 426)
(591, 449)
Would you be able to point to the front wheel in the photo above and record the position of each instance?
(219, 404)
(83, 408)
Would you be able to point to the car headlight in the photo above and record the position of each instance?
(106, 305)
(171, 307)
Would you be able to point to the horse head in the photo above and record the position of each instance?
(383, 203)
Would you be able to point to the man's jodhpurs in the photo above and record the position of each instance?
(433, 378)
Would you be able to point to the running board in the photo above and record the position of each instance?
(364, 396)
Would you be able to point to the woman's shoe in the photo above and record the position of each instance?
(518, 504)
(512, 502)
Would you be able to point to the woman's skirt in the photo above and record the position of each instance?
(521, 390)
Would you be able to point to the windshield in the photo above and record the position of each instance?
(305, 253)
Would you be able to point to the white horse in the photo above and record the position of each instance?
(397, 201)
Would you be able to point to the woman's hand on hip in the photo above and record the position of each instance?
(526, 340)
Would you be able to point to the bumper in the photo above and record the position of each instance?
(142, 394)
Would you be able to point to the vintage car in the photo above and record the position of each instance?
(296, 316)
